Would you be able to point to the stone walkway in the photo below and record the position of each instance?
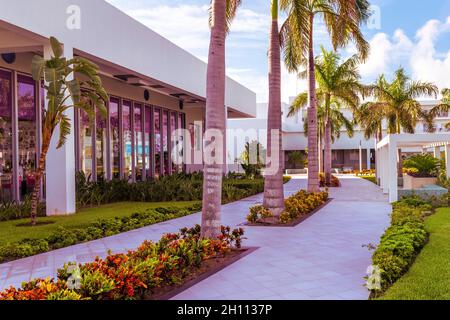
(322, 258)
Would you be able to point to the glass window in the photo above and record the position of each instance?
(166, 141)
(6, 181)
(26, 94)
(173, 127)
(181, 139)
(115, 137)
(157, 130)
(147, 133)
(138, 151)
(100, 145)
(86, 150)
(127, 141)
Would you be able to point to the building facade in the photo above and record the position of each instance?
(154, 87)
(348, 154)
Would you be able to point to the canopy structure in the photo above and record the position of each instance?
(387, 156)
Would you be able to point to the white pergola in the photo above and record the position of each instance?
(387, 156)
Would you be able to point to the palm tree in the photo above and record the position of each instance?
(273, 183)
(339, 82)
(60, 89)
(396, 102)
(329, 114)
(444, 106)
(342, 19)
(222, 13)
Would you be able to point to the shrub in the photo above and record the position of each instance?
(17, 210)
(63, 237)
(300, 204)
(335, 183)
(425, 165)
(134, 275)
(402, 241)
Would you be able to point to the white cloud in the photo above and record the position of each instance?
(419, 55)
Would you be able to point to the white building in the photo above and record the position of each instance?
(155, 87)
(347, 153)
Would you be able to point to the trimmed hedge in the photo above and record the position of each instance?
(64, 237)
(402, 241)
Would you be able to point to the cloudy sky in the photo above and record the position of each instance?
(414, 34)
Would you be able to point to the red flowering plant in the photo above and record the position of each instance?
(132, 275)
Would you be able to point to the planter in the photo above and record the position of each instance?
(412, 183)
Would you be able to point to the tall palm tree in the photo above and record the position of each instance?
(444, 106)
(222, 13)
(329, 114)
(63, 93)
(339, 82)
(273, 183)
(396, 102)
(342, 19)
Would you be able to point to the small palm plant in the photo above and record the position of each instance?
(63, 91)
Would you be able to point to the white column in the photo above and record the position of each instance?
(393, 176)
(360, 157)
(60, 164)
(384, 170)
(368, 159)
(447, 160)
(437, 152)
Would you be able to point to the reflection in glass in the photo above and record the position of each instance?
(126, 120)
(86, 150)
(26, 94)
(147, 132)
(157, 130)
(139, 165)
(115, 137)
(100, 145)
(6, 188)
(173, 128)
(165, 141)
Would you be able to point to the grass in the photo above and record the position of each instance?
(10, 232)
(429, 276)
(372, 179)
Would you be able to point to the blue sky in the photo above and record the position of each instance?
(414, 34)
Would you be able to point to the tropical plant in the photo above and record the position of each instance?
(342, 20)
(63, 91)
(444, 106)
(296, 159)
(425, 165)
(273, 184)
(396, 102)
(221, 14)
(253, 159)
(338, 86)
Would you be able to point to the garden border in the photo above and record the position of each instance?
(291, 224)
(245, 252)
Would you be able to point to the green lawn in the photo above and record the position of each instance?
(10, 232)
(429, 276)
(372, 179)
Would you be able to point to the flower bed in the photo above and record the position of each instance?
(335, 183)
(64, 237)
(141, 274)
(400, 243)
(297, 206)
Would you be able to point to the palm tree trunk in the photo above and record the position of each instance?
(215, 120)
(313, 165)
(319, 153)
(35, 196)
(327, 157)
(273, 184)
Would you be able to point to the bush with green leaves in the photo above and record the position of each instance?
(402, 241)
(12, 210)
(425, 164)
(64, 237)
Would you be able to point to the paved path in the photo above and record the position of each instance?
(322, 258)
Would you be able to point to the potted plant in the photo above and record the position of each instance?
(420, 170)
